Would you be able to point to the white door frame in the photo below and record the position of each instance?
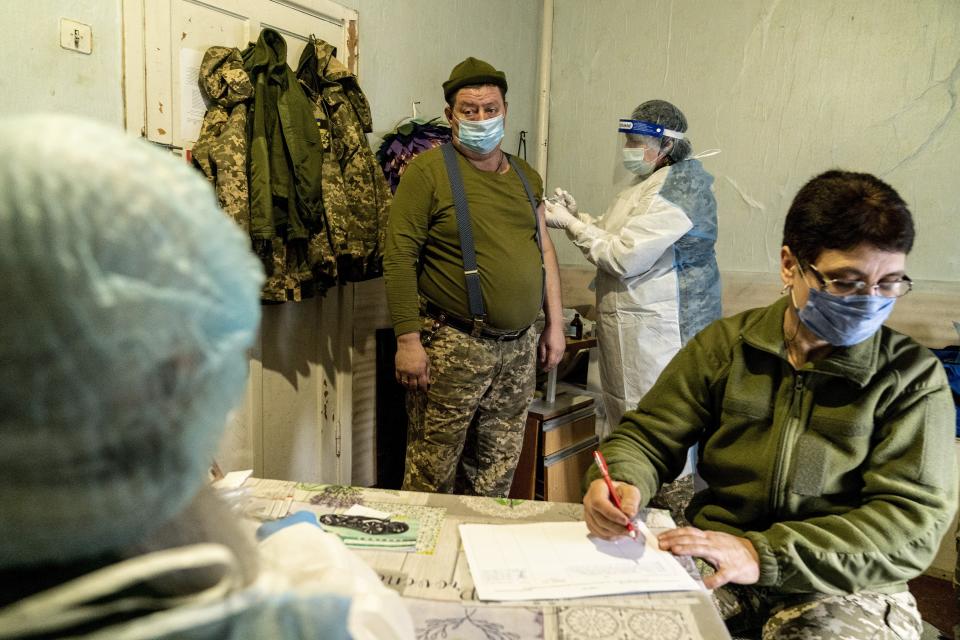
(135, 61)
(336, 402)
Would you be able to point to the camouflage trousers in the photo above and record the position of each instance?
(465, 433)
(755, 612)
(675, 496)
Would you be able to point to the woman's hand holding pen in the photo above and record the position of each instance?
(603, 518)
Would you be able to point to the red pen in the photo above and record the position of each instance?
(602, 464)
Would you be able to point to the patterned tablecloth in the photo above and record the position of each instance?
(435, 580)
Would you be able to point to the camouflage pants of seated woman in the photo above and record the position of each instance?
(758, 613)
(675, 496)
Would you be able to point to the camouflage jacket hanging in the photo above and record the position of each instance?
(222, 153)
(284, 171)
(356, 197)
(221, 149)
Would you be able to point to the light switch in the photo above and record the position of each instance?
(76, 36)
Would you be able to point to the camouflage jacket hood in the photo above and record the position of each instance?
(221, 149)
(223, 79)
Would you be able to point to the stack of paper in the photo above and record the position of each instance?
(551, 560)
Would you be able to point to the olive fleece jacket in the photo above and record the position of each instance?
(842, 473)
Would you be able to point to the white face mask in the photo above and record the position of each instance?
(635, 162)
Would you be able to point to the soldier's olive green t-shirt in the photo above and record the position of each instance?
(423, 245)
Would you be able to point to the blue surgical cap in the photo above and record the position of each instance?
(664, 114)
(129, 303)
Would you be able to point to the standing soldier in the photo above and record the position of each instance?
(468, 261)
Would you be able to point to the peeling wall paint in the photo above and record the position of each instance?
(408, 48)
(786, 90)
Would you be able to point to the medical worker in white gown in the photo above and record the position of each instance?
(657, 280)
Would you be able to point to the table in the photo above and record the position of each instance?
(436, 579)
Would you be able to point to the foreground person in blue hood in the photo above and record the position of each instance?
(131, 301)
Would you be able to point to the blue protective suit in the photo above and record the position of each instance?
(657, 278)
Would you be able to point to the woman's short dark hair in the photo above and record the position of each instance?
(841, 210)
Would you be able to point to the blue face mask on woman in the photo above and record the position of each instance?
(844, 321)
(481, 136)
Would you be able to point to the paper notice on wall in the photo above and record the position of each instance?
(192, 105)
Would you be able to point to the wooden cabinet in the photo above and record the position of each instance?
(559, 440)
(567, 443)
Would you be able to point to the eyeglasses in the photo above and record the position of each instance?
(840, 287)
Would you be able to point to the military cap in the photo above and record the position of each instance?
(470, 72)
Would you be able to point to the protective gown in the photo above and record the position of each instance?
(309, 585)
(657, 279)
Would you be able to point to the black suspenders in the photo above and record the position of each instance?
(470, 272)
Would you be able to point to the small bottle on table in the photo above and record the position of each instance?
(576, 327)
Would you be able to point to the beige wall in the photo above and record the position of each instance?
(39, 75)
(926, 314)
(786, 89)
(406, 51)
(408, 48)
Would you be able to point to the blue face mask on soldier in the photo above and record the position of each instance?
(844, 321)
(481, 136)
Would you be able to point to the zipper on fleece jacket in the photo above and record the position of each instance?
(785, 446)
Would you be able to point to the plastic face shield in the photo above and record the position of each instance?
(644, 128)
(638, 149)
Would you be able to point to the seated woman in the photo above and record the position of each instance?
(130, 301)
(826, 439)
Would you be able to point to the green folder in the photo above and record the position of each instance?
(406, 541)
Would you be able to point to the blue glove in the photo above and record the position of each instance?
(269, 528)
